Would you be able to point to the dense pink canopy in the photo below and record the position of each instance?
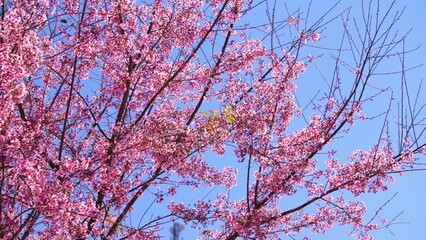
(105, 103)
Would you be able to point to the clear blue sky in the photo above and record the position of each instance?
(410, 188)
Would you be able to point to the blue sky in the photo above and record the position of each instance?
(410, 188)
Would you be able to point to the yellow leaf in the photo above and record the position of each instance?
(229, 114)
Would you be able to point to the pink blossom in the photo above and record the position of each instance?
(293, 21)
(315, 37)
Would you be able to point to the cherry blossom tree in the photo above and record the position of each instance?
(107, 103)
